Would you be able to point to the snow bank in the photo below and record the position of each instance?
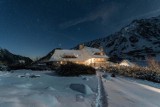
(150, 88)
(34, 100)
(27, 85)
(84, 89)
(4, 74)
(50, 88)
(45, 99)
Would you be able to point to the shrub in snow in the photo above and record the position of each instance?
(18, 67)
(72, 69)
(153, 64)
(113, 75)
(136, 72)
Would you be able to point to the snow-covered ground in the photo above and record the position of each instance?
(127, 92)
(48, 90)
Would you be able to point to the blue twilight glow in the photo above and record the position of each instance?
(34, 27)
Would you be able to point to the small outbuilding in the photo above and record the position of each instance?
(126, 63)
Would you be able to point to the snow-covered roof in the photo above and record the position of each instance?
(60, 54)
(79, 55)
(126, 63)
(92, 51)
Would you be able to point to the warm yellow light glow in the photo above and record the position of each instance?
(61, 62)
(124, 64)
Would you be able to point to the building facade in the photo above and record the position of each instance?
(84, 55)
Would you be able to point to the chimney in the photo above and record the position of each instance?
(101, 49)
(81, 46)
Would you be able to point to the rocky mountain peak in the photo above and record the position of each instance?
(137, 41)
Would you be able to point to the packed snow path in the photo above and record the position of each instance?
(101, 100)
(124, 92)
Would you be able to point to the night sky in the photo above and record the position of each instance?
(35, 27)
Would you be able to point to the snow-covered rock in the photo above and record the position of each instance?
(84, 89)
(126, 63)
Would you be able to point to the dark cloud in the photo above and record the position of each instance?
(103, 12)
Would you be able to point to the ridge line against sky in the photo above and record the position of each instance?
(35, 27)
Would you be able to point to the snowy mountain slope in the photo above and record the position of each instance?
(137, 41)
(8, 58)
(46, 57)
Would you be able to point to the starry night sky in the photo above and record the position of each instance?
(35, 27)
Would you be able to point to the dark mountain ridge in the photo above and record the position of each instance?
(9, 59)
